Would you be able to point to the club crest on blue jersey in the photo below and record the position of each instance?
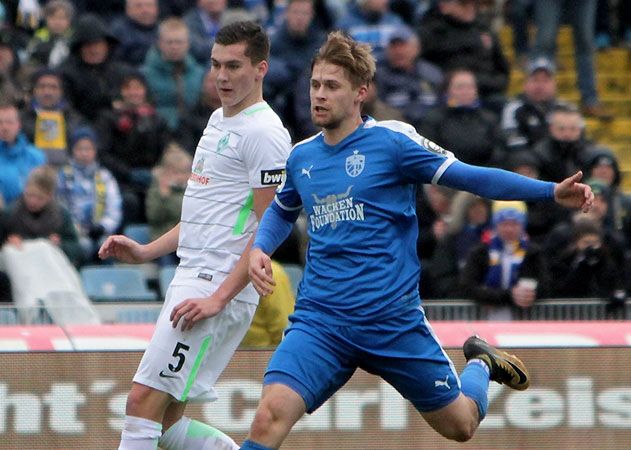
(355, 164)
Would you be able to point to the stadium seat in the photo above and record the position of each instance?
(164, 278)
(294, 272)
(137, 315)
(139, 232)
(8, 316)
(114, 283)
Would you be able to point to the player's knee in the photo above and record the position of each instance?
(461, 431)
(136, 398)
(262, 423)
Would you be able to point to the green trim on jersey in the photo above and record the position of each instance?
(244, 213)
(196, 366)
(255, 110)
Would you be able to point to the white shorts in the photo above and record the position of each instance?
(187, 364)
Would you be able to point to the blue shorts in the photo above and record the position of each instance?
(316, 360)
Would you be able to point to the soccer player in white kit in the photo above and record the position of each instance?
(238, 163)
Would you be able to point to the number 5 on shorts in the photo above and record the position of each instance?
(178, 352)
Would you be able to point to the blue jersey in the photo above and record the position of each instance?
(359, 196)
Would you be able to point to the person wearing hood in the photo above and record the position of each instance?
(91, 75)
(90, 193)
(17, 155)
(462, 125)
(604, 168)
(370, 21)
(507, 274)
(454, 37)
(173, 76)
(405, 81)
(565, 150)
(49, 120)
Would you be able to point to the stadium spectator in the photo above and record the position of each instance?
(165, 195)
(519, 13)
(49, 120)
(524, 119)
(91, 75)
(173, 76)
(548, 14)
(90, 193)
(106, 10)
(507, 274)
(376, 108)
(37, 214)
(136, 31)
(453, 38)
(462, 124)
(196, 119)
(10, 80)
(433, 206)
(291, 51)
(370, 21)
(203, 22)
(604, 167)
(406, 81)
(17, 155)
(132, 139)
(566, 149)
(585, 267)
(542, 217)
(50, 45)
(470, 226)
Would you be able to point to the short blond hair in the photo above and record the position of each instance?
(354, 57)
(45, 178)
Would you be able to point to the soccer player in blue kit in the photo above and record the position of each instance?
(358, 303)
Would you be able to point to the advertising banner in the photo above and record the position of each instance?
(580, 398)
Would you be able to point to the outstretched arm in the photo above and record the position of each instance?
(500, 184)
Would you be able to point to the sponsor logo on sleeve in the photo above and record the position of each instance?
(272, 177)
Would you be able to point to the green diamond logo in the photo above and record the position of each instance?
(223, 143)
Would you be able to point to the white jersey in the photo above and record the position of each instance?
(234, 155)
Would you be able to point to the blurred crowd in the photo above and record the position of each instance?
(102, 104)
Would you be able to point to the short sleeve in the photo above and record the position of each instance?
(421, 160)
(287, 196)
(265, 153)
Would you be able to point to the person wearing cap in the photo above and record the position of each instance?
(524, 119)
(406, 81)
(507, 274)
(90, 193)
(91, 75)
(566, 149)
(49, 120)
(453, 37)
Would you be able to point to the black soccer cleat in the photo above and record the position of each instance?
(505, 368)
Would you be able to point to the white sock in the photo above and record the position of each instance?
(187, 434)
(140, 434)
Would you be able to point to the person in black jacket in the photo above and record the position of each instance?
(452, 37)
(91, 76)
(462, 125)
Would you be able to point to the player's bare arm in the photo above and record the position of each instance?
(573, 194)
(127, 250)
(260, 271)
(193, 310)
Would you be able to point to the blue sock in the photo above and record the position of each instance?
(249, 445)
(474, 381)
